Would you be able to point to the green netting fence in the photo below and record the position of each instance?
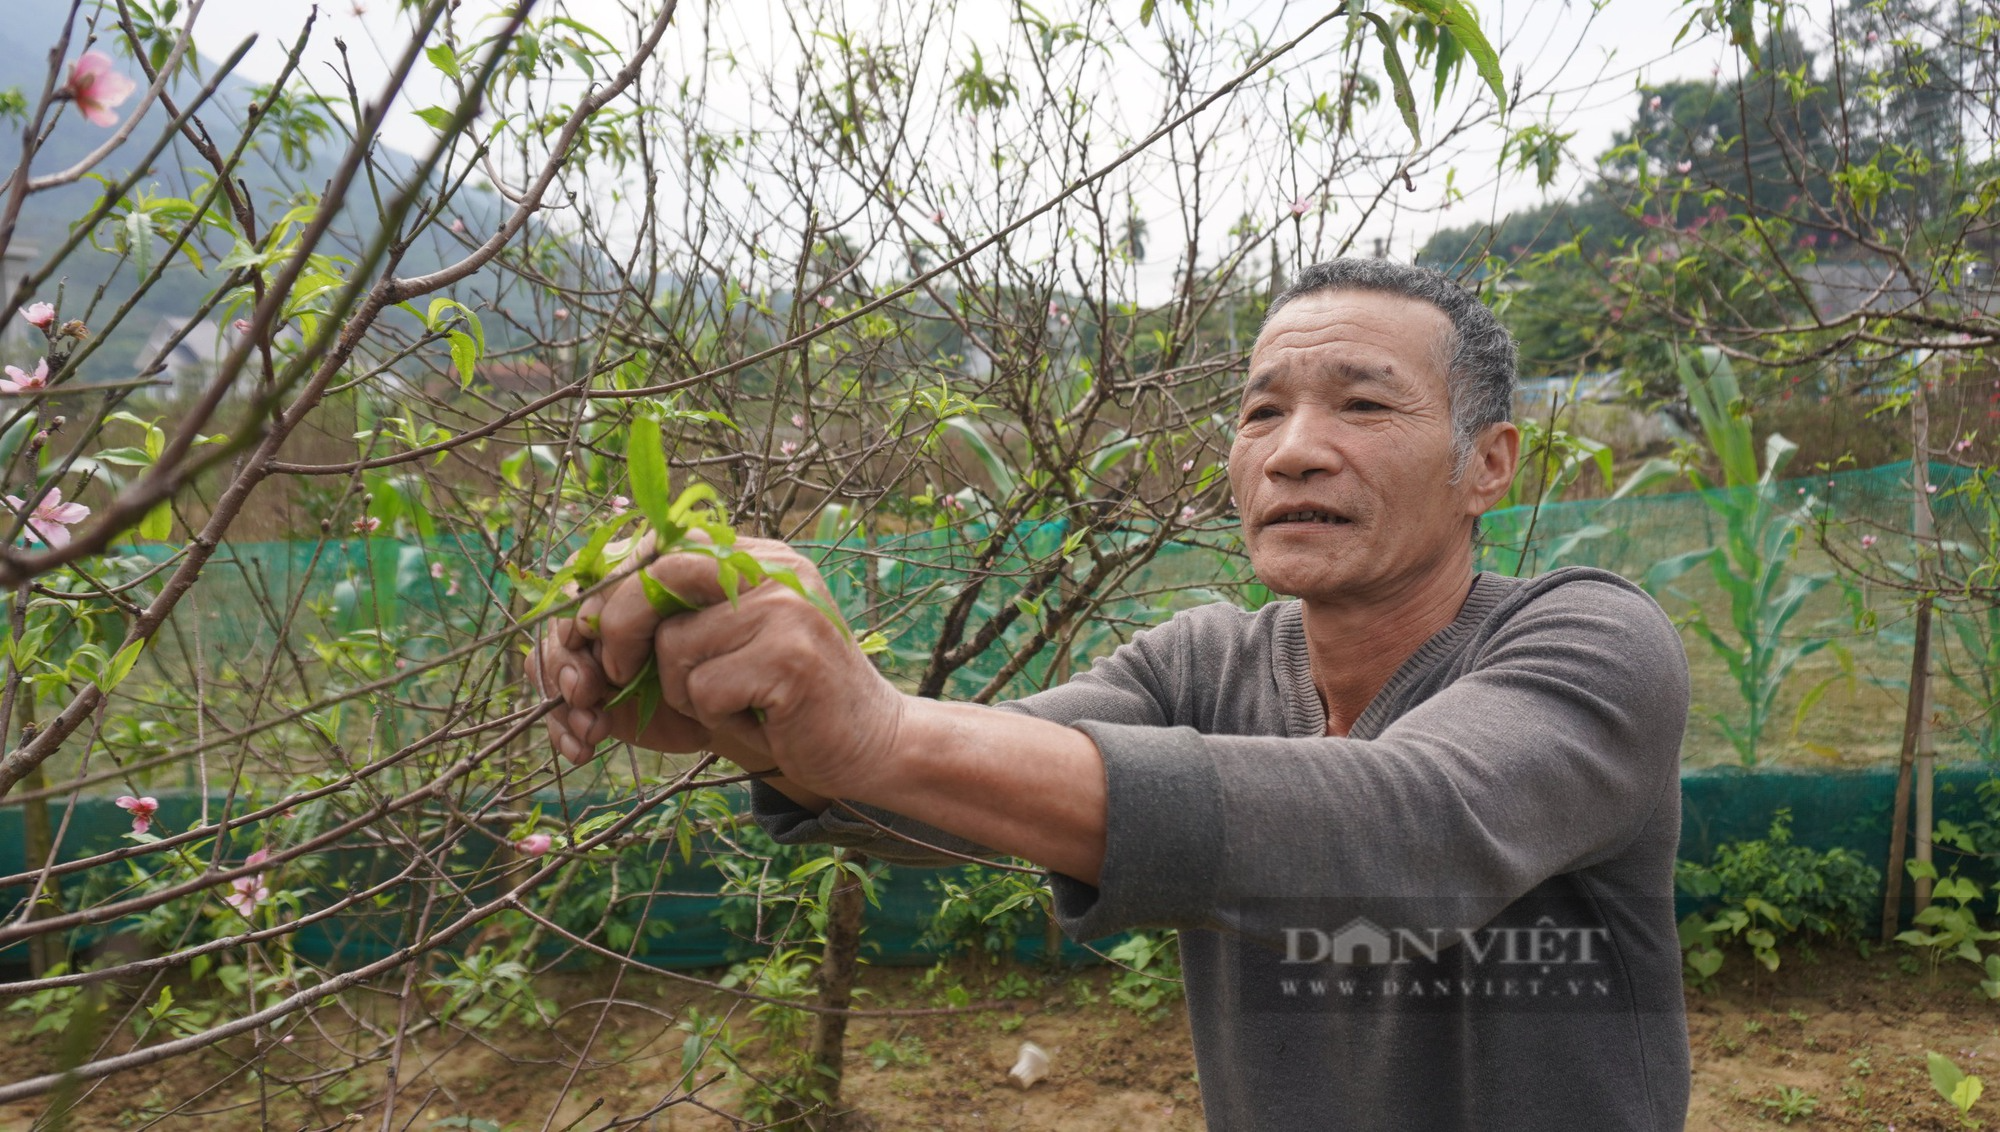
(375, 583)
(1831, 756)
(701, 926)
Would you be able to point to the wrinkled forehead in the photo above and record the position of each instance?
(1352, 336)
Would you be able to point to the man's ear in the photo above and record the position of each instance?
(1496, 455)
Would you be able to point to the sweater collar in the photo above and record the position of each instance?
(1305, 716)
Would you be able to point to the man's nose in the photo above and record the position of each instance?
(1303, 446)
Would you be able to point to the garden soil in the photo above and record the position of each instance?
(1831, 1040)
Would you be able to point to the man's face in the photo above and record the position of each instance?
(1343, 457)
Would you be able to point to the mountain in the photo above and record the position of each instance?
(277, 176)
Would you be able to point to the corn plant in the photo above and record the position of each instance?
(1752, 565)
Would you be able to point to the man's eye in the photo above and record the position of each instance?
(1260, 413)
(1365, 406)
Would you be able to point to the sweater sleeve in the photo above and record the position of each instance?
(1127, 687)
(1547, 756)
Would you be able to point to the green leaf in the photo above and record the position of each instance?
(1967, 1093)
(646, 464)
(444, 59)
(1742, 15)
(1809, 700)
(1945, 1075)
(1107, 457)
(665, 602)
(158, 523)
(120, 666)
(437, 117)
(1457, 17)
(243, 255)
(995, 465)
(464, 356)
(1399, 79)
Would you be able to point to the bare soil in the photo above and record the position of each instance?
(1848, 1035)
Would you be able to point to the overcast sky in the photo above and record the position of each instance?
(1590, 59)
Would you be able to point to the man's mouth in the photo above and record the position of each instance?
(1287, 518)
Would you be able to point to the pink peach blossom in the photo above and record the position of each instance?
(535, 844)
(50, 522)
(246, 893)
(97, 88)
(39, 315)
(1867, 541)
(366, 525)
(19, 382)
(788, 447)
(620, 504)
(241, 326)
(1683, 166)
(1653, 103)
(1302, 205)
(141, 809)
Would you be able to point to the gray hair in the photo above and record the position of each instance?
(1479, 373)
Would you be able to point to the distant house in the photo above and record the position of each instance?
(182, 362)
(1532, 394)
(1841, 287)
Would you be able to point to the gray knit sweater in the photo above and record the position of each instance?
(1458, 916)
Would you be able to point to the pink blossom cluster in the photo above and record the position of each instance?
(51, 519)
(97, 89)
(141, 809)
(249, 891)
(20, 381)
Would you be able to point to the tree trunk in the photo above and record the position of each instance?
(1922, 523)
(1913, 717)
(38, 841)
(838, 964)
(1916, 761)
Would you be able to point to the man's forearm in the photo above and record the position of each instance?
(1016, 784)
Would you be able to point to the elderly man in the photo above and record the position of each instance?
(1416, 827)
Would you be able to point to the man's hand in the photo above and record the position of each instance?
(770, 677)
(565, 663)
(771, 682)
(568, 661)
